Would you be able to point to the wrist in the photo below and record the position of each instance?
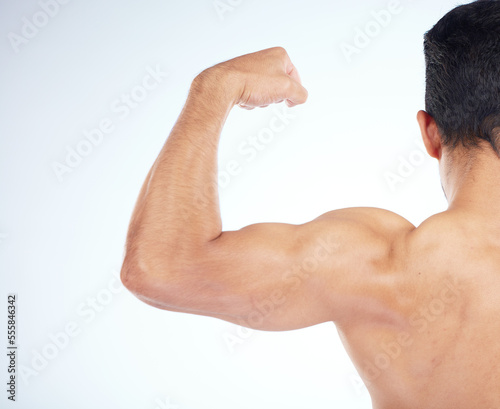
(220, 84)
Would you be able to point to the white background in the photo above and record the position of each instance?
(61, 238)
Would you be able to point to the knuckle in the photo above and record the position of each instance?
(280, 51)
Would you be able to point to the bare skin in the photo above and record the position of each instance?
(416, 308)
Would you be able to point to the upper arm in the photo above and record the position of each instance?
(281, 277)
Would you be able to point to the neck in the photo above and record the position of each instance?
(472, 182)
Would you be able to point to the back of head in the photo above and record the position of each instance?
(462, 54)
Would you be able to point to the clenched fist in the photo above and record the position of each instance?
(257, 80)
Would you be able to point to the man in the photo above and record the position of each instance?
(416, 308)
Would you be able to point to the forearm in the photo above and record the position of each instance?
(176, 255)
(178, 212)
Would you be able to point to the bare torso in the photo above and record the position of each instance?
(441, 348)
(416, 308)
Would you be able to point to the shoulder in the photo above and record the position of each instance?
(370, 248)
(373, 238)
(379, 222)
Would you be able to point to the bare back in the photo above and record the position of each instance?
(415, 308)
(444, 349)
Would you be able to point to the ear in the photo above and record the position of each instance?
(430, 134)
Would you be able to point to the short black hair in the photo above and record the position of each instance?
(462, 53)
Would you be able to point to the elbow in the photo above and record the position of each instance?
(131, 276)
(162, 283)
(145, 284)
(186, 285)
(138, 272)
(140, 268)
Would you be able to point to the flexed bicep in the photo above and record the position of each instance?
(281, 277)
